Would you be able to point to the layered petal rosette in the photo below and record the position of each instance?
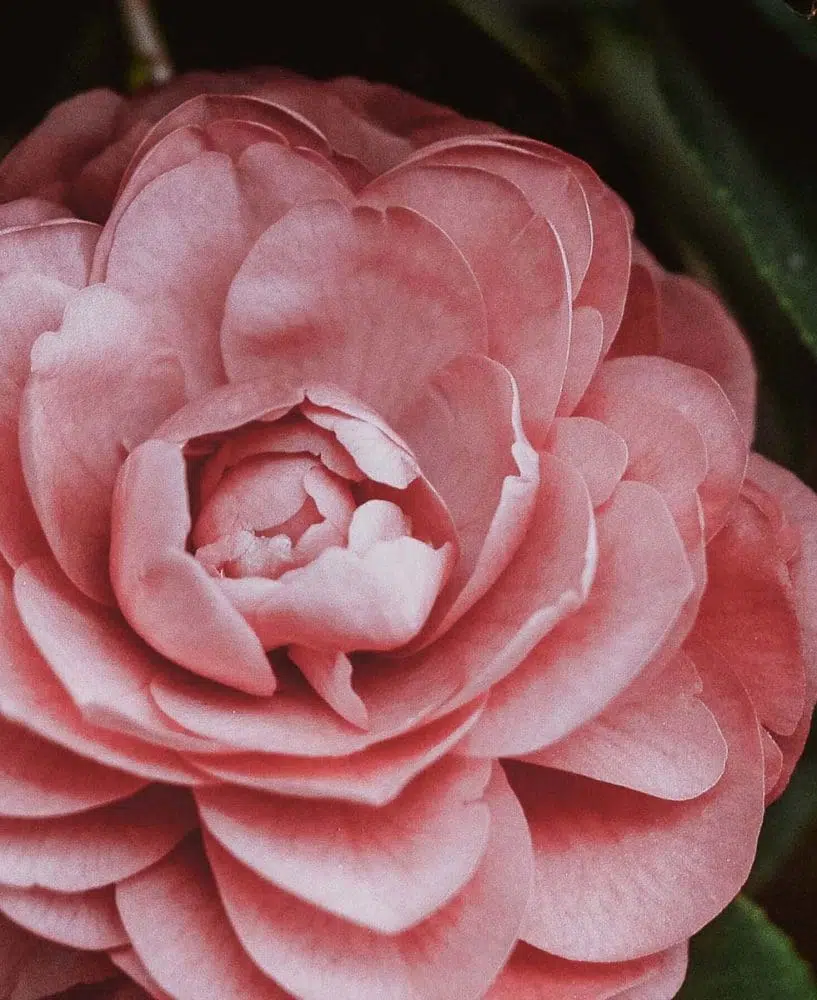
(391, 603)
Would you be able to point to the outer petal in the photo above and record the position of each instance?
(453, 955)
(642, 582)
(61, 249)
(79, 920)
(608, 886)
(71, 447)
(386, 869)
(376, 284)
(92, 849)
(657, 737)
(164, 592)
(191, 951)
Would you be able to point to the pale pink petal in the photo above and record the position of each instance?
(699, 399)
(29, 304)
(30, 212)
(749, 616)
(103, 666)
(175, 251)
(179, 931)
(385, 869)
(163, 591)
(640, 332)
(453, 955)
(72, 133)
(608, 886)
(697, 330)
(71, 446)
(532, 974)
(586, 342)
(325, 294)
(129, 962)
(657, 737)
(664, 982)
(641, 584)
(466, 432)
(85, 920)
(39, 779)
(330, 674)
(61, 249)
(597, 453)
(479, 210)
(374, 776)
(92, 849)
(32, 697)
(343, 601)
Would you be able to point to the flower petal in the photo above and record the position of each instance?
(608, 886)
(642, 582)
(390, 284)
(191, 951)
(593, 449)
(164, 592)
(453, 955)
(77, 919)
(95, 848)
(61, 249)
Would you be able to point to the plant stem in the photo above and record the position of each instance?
(152, 64)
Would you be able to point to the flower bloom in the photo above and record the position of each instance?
(391, 604)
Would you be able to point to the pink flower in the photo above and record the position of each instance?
(391, 605)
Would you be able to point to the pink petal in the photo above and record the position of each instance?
(700, 400)
(640, 332)
(374, 776)
(79, 920)
(657, 737)
(343, 601)
(642, 582)
(32, 697)
(773, 764)
(698, 331)
(164, 592)
(597, 453)
(664, 982)
(486, 473)
(586, 342)
(71, 447)
(748, 615)
(92, 849)
(191, 951)
(325, 293)
(71, 134)
(385, 869)
(620, 874)
(330, 674)
(61, 250)
(29, 304)
(103, 666)
(39, 779)
(175, 251)
(30, 212)
(535, 975)
(129, 962)
(453, 955)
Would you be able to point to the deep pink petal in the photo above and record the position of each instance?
(642, 582)
(71, 447)
(85, 920)
(657, 737)
(773, 764)
(92, 849)
(532, 974)
(749, 616)
(102, 664)
(129, 962)
(30, 212)
(640, 330)
(163, 591)
(191, 951)
(700, 400)
(586, 343)
(597, 453)
(385, 869)
(39, 779)
(61, 250)
(29, 304)
(32, 697)
(608, 886)
(374, 776)
(453, 955)
(325, 294)
(697, 330)
(466, 432)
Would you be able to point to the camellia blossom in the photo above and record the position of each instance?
(392, 606)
